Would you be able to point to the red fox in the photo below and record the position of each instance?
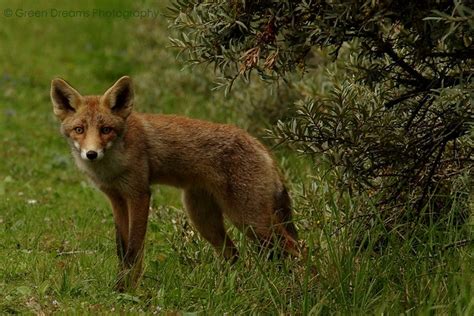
(223, 171)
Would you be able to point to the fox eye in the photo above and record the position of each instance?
(105, 130)
(79, 130)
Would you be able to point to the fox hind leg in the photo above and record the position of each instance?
(206, 215)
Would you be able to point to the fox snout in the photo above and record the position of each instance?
(92, 155)
(89, 153)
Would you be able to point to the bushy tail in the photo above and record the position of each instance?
(287, 228)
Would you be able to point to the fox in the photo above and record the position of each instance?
(224, 172)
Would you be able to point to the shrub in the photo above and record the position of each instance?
(396, 121)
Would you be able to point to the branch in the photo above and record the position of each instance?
(419, 204)
(402, 98)
(388, 49)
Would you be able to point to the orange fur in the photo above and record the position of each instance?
(223, 171)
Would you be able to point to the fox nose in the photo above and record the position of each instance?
(91, 155)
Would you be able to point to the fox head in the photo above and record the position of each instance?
(92, 123)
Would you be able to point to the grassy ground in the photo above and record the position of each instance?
(56, 232)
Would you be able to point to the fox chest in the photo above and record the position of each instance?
(105, 173)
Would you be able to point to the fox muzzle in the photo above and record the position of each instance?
(92, 155)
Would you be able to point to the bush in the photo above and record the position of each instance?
(396, 123)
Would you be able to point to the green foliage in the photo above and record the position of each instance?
(396, 120)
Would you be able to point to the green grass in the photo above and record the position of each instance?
(56, 231)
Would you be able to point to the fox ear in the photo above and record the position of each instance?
(119, 97)
(65, 98)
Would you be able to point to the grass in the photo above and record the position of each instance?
(56, 231)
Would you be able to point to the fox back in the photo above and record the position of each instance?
(223, 171)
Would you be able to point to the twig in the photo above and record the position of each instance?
(76, 252)
(459, 243)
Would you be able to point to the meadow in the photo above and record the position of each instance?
(57, 247)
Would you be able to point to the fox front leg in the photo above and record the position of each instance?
(132, 261)
(121, 219)
(120, 211)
